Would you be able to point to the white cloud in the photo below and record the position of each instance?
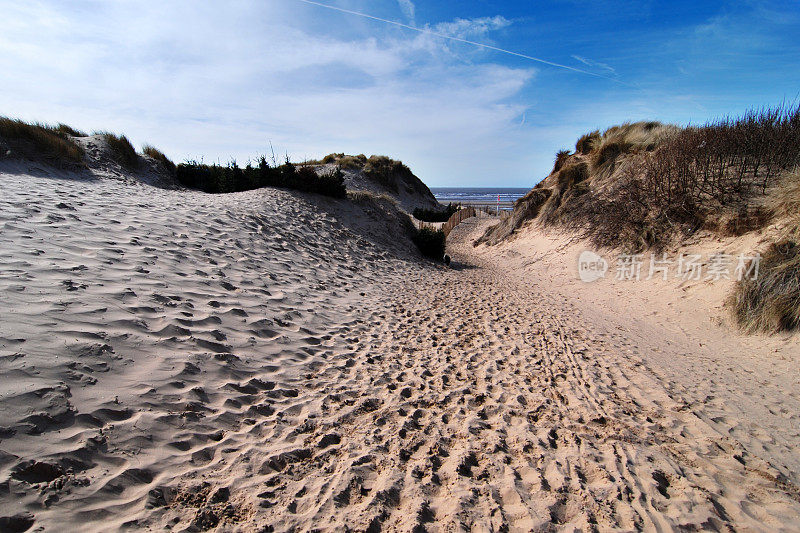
(408, 9)
(200, 81)
(471, 28)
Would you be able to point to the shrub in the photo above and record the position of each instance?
(159, 156)
(40, 140)
(232, 178)
(431, 242)
(673, 182)
(121, 148)
(771, 302)
(329, 184)
(435, 215)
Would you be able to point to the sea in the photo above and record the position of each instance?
(479, 195)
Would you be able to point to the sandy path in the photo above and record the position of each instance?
(234, 385)
(470, 406)
(744, 386)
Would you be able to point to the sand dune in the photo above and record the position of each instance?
(269, 361)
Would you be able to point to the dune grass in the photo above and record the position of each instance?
(561, 157)
(33, 140)
(121, 148)
(650, 183)
(771, 302)
(368, 196)
(383, 170)
(151, 151)
(64, 129)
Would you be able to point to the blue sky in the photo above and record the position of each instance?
(213, 80)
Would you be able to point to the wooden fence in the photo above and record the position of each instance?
(460, 215)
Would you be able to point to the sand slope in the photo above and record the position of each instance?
(143, 331)
(253, 362)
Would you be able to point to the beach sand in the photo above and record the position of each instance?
(274, 361)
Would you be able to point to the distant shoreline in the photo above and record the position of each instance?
(504, 206)
(480, 196)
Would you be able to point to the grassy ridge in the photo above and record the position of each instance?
(674, 181)
(121, 148)
(379, 169)
(56, 144)
(41, 140)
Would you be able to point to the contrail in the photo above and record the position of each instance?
(458, 39)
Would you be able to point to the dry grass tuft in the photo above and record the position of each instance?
(784, 201)
(351, 162)
(64, 129)
(587, 142)
(384, 170)
(158, 155)
(123, 151)
(40, 140)
(331, 158)
(629, 138)
(771, 302)
(561, 157)
(367, 196)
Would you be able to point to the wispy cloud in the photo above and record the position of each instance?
(409, 10)
(452, 98)
(471, 28)
(207, 83)
(594, 64)
(428, 31)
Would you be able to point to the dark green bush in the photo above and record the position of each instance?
(232, 178)
(435, 215)
(431, 242)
